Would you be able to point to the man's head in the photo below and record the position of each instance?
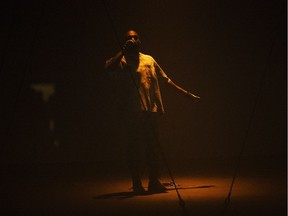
(131, 38)
(131, 34)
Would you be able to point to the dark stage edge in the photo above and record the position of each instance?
(103, 188)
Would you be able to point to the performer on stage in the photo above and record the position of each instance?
(140, 101)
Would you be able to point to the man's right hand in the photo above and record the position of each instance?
(129, 44)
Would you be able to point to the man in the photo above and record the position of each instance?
(140, 100)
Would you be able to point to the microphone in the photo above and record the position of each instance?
(130, 42)
(130, 45)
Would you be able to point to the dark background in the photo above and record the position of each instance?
(231, 53)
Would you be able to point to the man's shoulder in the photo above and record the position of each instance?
(146, 56)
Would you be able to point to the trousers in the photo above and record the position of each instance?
(143, 147)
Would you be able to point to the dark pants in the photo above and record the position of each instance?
(143, 145)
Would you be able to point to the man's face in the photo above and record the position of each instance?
(132, 35)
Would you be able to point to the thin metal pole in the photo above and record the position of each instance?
(247, 133)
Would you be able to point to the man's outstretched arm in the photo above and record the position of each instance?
(189, 94)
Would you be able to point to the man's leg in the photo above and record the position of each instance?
(134, 155)
(153, 154)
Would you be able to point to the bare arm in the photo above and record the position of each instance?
(189, 94)
(174, 86)
(113, 62)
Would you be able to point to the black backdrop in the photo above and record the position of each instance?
(231, 53)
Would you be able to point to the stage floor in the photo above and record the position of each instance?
(105, 189)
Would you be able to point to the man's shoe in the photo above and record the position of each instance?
(138, 189)
(156, 187)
